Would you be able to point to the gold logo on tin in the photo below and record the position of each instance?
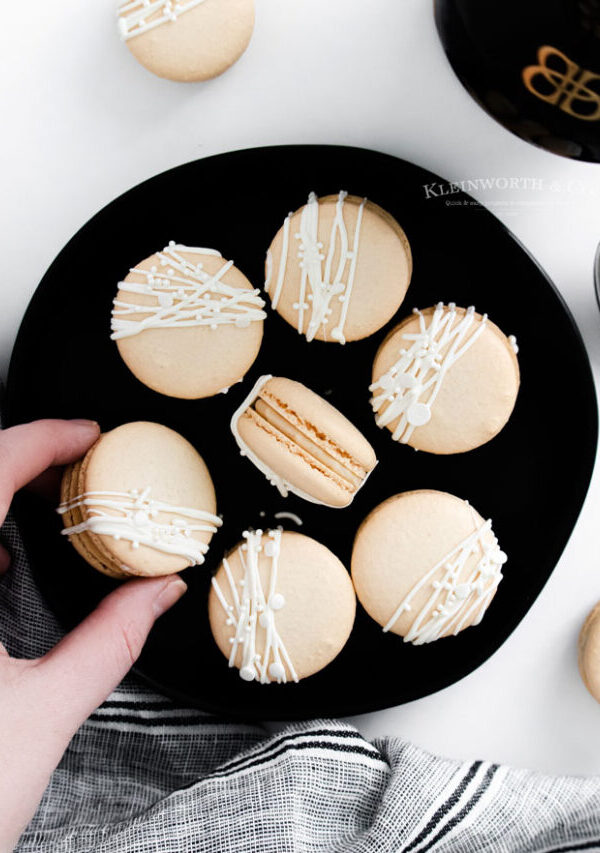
(564, 84)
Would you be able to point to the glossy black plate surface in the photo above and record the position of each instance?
(531, 479)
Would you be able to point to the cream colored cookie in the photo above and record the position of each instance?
(426, 565)
(141, 502)
(186, 40)
(589, 652)
(338, 269)
(202, 328)
(281, 606)
(301, 443)
(445, 380)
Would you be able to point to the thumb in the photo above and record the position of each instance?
(77, 675)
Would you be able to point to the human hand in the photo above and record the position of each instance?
(44, 701)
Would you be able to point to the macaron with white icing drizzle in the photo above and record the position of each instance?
(141, 502)
(281, 606)
(302, 443)
(426, 565)
(187, 322)
(338, 269)
(186, 40)
(445, 380)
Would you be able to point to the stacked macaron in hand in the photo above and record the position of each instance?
(189, 324)
(140, 502)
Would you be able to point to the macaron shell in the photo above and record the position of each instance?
(319, 420)
(189, 362)
(320, 605)
(202, 43)
(476, 397)
(399, 542)
(140, 455)
(383, 268)
(292, 463)
(589, 652)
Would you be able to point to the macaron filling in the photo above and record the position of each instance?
(278, 421)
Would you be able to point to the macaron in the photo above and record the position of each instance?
(338, 268)
(187, 323)
(140, 502)
(301, 443)
(186, 40)
(589, 652)
(426, 565)
(445, 380)
(281, 606)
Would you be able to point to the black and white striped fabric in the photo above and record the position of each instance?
(144, 775)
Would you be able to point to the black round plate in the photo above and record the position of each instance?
(531, 479)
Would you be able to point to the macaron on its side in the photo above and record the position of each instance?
(445, 380)
(302, 443)
(589, 652)
(426, 565)
(290, 599)
(146, 502)
(203, 327)
(190, 41)
(338, 269)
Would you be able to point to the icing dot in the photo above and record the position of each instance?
(248, 673)
(462, 591)
(277, 671)
(277, 601)
(418, 414)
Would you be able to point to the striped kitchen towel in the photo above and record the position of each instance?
(145, 775)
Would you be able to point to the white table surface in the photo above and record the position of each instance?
(82, 122)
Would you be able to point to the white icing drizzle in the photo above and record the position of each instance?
(136, 523)
(452, 604)
(412, 384)
(280, 484)
(282, 263)
(513, 344)
(283, 486)
(134, 15)
(291, 515)
(251, 608)
(323, 282)
(186, 295)
(268, 269)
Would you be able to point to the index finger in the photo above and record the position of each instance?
(28, 449)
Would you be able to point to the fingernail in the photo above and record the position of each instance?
(169, 594)
(85, 422)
